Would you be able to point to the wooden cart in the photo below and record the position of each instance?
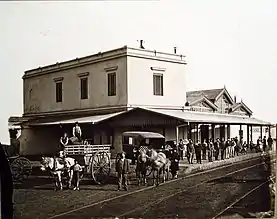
(20, 166)
(96, 160)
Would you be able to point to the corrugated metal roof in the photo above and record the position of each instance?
(210, 94)
(143, 134)
(202, 117)
(88, 119)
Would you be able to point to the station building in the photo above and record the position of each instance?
(121, 90)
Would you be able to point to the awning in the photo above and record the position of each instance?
(143, 134)
(89, 119)
(201, 117)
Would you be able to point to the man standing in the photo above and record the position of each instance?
(270, 142)
(210, 150)
(181, 149)
(190, 151)
(77, 132)
(222, 148)
(264, 143)
(198, 149)
(216, 148)
(122, 169)
(204, 149)
(64, 141)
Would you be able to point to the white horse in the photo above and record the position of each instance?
(57, 169)
(160, 164)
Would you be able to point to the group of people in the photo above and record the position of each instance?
(218, 149)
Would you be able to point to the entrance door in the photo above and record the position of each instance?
(204, 129)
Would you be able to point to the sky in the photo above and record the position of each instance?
(231, 43)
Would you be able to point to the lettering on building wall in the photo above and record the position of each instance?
(33, 108)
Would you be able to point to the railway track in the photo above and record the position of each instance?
(132, 204)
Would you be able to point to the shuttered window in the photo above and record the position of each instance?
(59, 92)
(112, 84)
(84, 88)
(158, 84)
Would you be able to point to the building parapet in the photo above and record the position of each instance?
(103, 56)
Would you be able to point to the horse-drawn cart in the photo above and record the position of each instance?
(96, 160)
(20, 166)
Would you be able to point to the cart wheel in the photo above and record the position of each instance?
(148, 171)
(21, 168)
(100, 167)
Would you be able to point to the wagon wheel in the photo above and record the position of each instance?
(100, 167)
(20, 168)
(148, 170)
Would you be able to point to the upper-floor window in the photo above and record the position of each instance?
(112, 84)
(59, 92)
(84, 88)
(158, 84)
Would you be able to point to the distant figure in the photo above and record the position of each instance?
(251, 146)
(270, 142)
(198, 149)
(210, 150)
(77, 132)
(222, 149)
(181, 149)
(174, 166)
(190, 151)
(216, 148)
(227, 148)
(264, 143)
(122, 169)
(204, 149)
(77, 169)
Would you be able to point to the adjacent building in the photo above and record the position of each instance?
(121, 90)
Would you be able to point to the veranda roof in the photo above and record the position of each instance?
(216, 118)
(143, 134)
(89, 119)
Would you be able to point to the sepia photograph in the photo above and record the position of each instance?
(138, 109)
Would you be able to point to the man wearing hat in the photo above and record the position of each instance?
(122, 169)
(77, 132)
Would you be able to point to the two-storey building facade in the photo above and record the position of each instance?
(121, 90)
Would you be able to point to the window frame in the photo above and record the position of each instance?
(111, 84)
(161, 89)
(84, 90)
(59, 91)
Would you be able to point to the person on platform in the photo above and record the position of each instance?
(222, 149)
(270, 142)
(216, 148)
(77, 132)
(181, 149)
(210, 150)
(264, 143)
(198, 149)
(204, 149)
(190, 151)
(122, 169)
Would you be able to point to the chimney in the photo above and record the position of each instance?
(141, 44)
(235, 99)
(175, 50)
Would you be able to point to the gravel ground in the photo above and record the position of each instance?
(36, 199)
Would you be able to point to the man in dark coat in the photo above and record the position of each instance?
(122, 169)
(270, 142)
(264, 143)
(216, 148)
(210, 150)
(6, 187)
(190, 151)
(222, 148)
(198, 149)
(174, 167)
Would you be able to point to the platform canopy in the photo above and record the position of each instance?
(143, 134)
(215, 118)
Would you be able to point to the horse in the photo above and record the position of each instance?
(141, 168)
(159, 163)
(57, 169)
